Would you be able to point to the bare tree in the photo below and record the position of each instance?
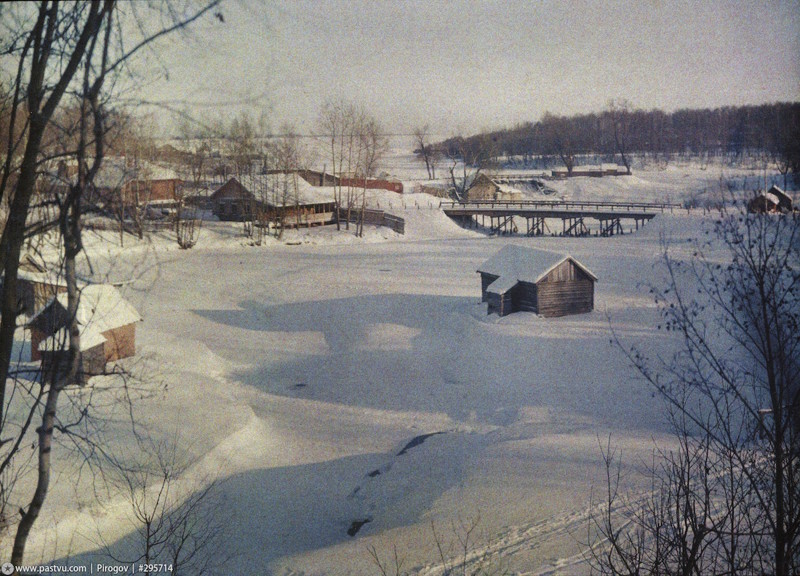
(373, 144)
(470, 158)
(288, 157)
(356, 145)
(619, 112)
(786, 142)
(187, 220)
(178, 523)
(62, 55)
(426, 151)
(733, 397)
(559, 138)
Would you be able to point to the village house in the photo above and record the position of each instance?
(284, 197)
(523, 279)
(107, 325)
(122, 185)
(773, 201)
(232, 201)
(294, 202)
(483, 188)
(164, 192)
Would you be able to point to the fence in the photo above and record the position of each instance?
(377, 218)
(562, 204)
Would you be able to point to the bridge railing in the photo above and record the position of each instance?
(563, 204)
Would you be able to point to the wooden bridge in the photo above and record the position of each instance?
(573, 215)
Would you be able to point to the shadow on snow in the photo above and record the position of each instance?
(431, 353)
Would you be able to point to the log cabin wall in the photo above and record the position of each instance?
(565, 290)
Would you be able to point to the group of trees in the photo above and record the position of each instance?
(621, 129)
(62, 65)
(357, 143)
(354, 143)
(724, 498)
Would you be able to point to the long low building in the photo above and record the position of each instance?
(284, 198)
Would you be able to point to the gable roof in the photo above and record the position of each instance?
(101, 307)
(231, 188)
(278, 189)
(89, 339)
(514, 264)
(782, 197)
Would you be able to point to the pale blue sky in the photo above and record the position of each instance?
(466, 66)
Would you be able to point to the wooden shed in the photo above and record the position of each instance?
(773, 201)
(484, 188)
(146, 191)
(107, 327)
(784, 200)
(523, 279)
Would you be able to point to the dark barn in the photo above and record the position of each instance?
(523, 279)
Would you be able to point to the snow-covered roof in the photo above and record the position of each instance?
(502, 285)
(506, 189)
(113, 173)
(771, 197)
(89, 339)
(116, 171)
(275, 188)
(100, 307)
(514, 264)
(779, 194)
(47, 277)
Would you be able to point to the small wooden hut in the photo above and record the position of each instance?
(523, 279)
(107, 328)
(773, 201)
(483, 188)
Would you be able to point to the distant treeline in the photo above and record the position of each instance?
(621, 130)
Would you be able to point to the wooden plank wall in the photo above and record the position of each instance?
(526, 297)
(120, 342)
(486, 279)
(562, 298)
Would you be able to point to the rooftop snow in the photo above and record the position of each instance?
(89, 339)
(524, 264)
(101, 307)
(290, 189)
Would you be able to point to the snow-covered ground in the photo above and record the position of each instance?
(326, 379)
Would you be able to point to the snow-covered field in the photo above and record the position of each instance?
(326, 379)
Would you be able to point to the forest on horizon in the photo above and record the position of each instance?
(620, 129)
